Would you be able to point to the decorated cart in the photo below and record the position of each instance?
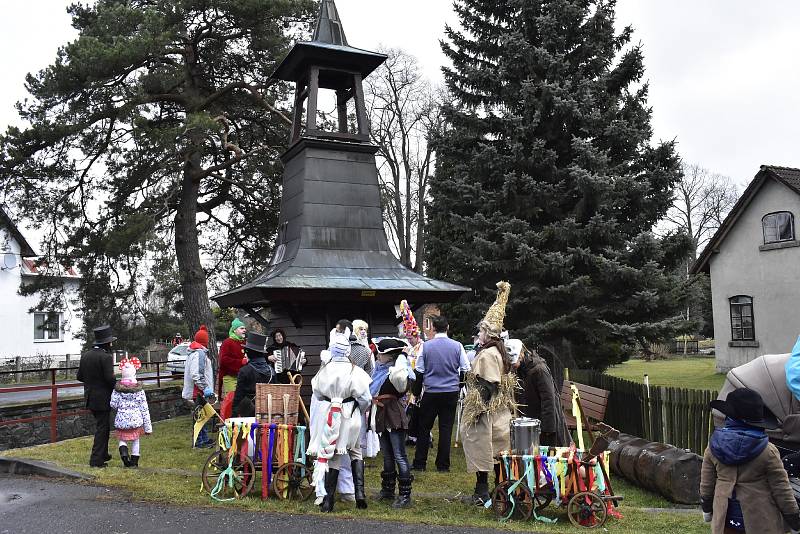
(531, 477)
(270, 446)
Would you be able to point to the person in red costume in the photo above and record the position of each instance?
(232, 356)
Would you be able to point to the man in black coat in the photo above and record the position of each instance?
(257, 371)
(96, 371)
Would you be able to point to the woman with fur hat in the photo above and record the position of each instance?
(198, 379)
(133, 414)
(391, 379)
(342, 392)
(743, 485)
(489, 399)
(232, 356)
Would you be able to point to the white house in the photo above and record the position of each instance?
(754, 263)
(22, 332)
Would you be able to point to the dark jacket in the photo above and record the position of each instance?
(740, 459)
(96, 371)
(258, 371)
(540, 400)
(283, 376)
(391, 408)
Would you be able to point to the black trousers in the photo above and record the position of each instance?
(102, 420)
(433, 405)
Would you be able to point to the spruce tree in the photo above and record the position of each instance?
(547, 178)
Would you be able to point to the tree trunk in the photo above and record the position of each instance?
(420, 256)
(197, 308)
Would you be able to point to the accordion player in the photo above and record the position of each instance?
(289, 358)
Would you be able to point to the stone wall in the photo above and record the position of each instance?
(164, 403)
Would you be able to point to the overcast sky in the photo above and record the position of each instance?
(724, 76)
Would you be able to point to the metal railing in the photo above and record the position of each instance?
(53, 386)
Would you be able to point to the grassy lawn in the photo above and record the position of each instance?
(170, 473)
(692, 373)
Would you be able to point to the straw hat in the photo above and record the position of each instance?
(493, 322)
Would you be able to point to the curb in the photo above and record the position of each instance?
(21, 466)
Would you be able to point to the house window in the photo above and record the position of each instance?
(778, 227)
(742, 326)
(47, 326)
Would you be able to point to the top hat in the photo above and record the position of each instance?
(256, 342)
(746, 405)
(103, 335)
(391, 346)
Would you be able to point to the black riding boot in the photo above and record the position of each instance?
(125, 455)
(404, 492)
(331, 478)
(134, 461)
(357, 467)
(388, 481)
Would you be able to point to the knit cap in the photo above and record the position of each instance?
(201, 336)
(236, 323)
(128, 368)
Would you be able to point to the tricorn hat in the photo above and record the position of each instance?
(493, 322)
(256, 342)
(103, 335)
(747, 406)
(391, 345)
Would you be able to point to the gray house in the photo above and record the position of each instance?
(754, 264)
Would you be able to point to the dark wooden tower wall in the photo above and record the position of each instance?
(318, 320)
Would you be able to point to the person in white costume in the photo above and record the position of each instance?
(341, 390)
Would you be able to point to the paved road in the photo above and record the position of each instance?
(33, 506)
(43, 395)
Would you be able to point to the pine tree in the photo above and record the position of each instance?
(158, 123)
(547, 178)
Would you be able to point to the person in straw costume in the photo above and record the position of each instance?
(489, 399)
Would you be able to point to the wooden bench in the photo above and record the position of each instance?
(593, 401)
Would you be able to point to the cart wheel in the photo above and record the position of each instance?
(523, 501)
(587, 509)
(542, 500)
(292, 482)
(217, 463)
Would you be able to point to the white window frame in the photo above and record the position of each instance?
(46, 333)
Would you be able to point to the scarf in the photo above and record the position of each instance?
(232, 334)
(379, 376)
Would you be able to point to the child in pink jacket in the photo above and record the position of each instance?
(133, 414)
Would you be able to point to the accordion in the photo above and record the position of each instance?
(286, 359)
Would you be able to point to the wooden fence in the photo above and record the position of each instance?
(677, 416)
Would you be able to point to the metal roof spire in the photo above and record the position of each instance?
(329, 27)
